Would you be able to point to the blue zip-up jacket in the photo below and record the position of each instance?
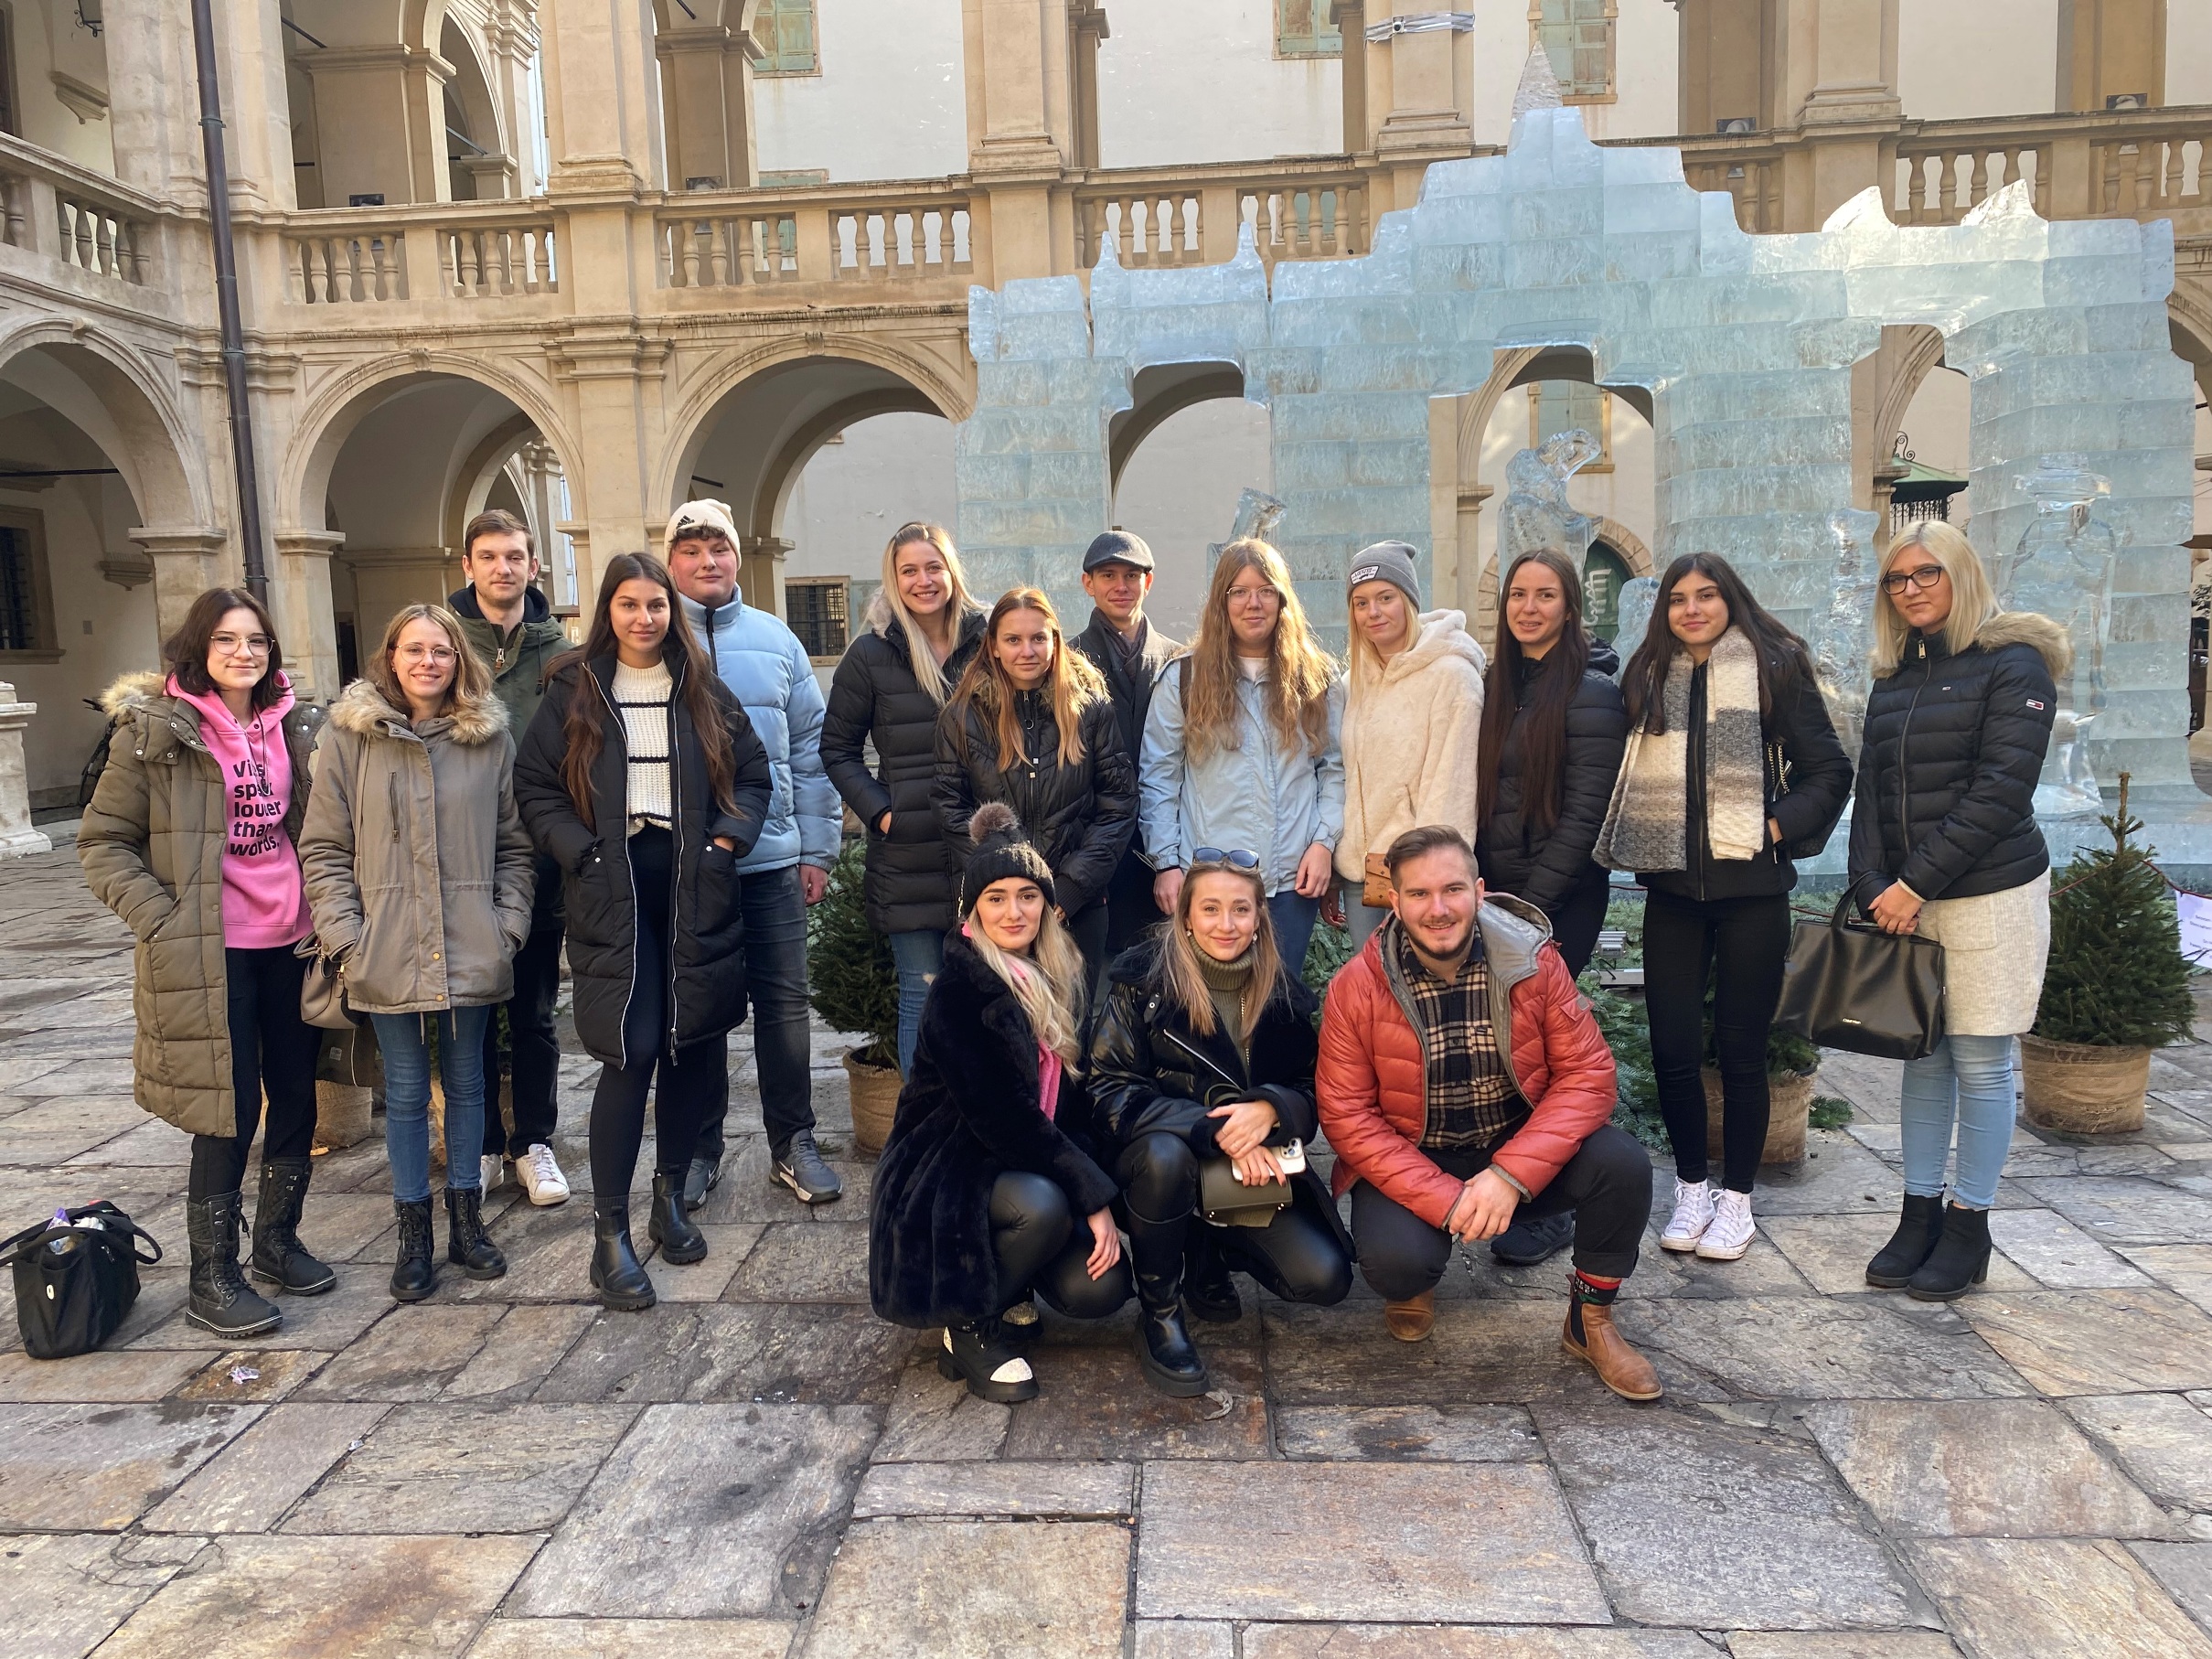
(763, 664)
(1257, 798)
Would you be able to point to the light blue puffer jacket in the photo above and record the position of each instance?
(1257, 798)
(761, 661)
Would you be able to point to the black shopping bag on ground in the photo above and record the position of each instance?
(1849, 985)
(74, 1284)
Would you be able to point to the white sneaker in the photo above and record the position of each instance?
(490, 1168)
(1729, 1235)
(1693, 1215)
(539, 1174)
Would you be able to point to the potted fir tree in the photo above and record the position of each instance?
(2117, 987)
(856, 989)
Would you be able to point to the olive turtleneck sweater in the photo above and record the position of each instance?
(1229, 983)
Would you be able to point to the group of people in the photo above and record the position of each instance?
(1099, 861)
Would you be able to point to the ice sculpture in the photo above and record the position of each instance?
(1536, 513)
(2063, 569)
(1843, 631)
(1638, 595)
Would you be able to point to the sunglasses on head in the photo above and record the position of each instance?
(1235, 858)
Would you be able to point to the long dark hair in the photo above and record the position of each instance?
(1544, 734)
(1782, 654)
(187, 650)
(688, 665)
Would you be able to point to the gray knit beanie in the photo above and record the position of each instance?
(1390, 562)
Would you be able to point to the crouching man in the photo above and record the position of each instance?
(1462, 1078)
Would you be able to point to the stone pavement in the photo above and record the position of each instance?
(759, 1468)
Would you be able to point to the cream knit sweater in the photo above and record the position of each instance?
(1410, 734)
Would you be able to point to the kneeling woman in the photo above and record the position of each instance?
(986, 1191)
(1204, 1051)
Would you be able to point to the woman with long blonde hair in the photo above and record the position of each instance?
(1944, 844)
(920, 632)
(421, 878)
(1243, 745)
(1032, 725)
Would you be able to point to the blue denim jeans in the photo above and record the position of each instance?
(1969, 1080)
(917, 956)
(775, 906)
(407, 1097)
(1294, 918)
(1361, 921)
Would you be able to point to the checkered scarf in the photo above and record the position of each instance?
(1643, 828)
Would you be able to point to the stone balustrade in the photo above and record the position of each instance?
(76, 217)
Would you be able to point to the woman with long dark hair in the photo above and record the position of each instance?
(915, 642)
(642, 777)
(1032, 725)
(1204, 1049)
(1733, 767)
(192, 839)
(1552, 733)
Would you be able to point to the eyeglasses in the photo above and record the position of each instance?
(1926, 577)
(1233, 859)
(443, 656)
(231, 645)
(1262, 596)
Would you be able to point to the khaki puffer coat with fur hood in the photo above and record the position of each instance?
(419, 871)
(151, 847)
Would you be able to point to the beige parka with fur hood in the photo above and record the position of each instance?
(1410, 732)
(151, 847)
(419, 871)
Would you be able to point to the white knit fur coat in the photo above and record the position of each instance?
(1410, 732)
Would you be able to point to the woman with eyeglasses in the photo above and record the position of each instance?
(642, 777)
(1243, 747)
(1032, 725)
(191, 839)
(915, 642)
(1733, 769)
(1202, 1061)
(1944, 844)
(421, 878)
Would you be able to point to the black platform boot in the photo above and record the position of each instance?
(221, 1299)
(414, 1275)
(616, 1273)
(1961, 1258)
(669, 1225)
(1209, 1288)
(468, 1246)
(979, 1354)
(279, 1257)
(1912, 1243)
(1164, 1349)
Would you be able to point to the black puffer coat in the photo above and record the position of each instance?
(1954, 746)
(1546, 869)
(912, 876)
(1151, 1073)
(707, 968)
(1080, 817)
(968, 1114)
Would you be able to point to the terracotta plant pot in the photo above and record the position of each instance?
(1790, 1102)
(2077, 1089)
(875, 1101)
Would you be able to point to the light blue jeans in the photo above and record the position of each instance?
(916, 955)
(1362, 921)
(1294, 918)
(407, 1097)
(1969, 1080)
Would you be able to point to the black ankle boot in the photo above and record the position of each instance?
(670, 1224)
(279, 1257)
(1961, 1258)
(1164, 1349)
(1912, 1243)
(616, 1273)
(414, 1275)
(979, 1354)
(222, 1301)
(1208, 1289)
(468, 1246)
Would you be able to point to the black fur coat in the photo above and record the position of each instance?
(967, 1114)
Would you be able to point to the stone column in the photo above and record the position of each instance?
(601, 99)
(1836, 71)
(706, 86)
(154, 104)
(1351, 19)
(1087, 28)
(1020, 131)
(1420, 98)
(762, 571)
(187, 562)
(301, 599)
(2110, 48)
(17, 838)
(511, 34)
(379, 119)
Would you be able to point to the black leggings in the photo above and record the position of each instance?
(1739, 944)
(1042, 1247)
(272, 1048)
(1577, 919)
(693, 1078)
(1295, 1256)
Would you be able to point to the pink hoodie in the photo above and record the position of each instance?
(264, 900)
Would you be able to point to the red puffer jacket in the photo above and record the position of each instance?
(1373, 1076)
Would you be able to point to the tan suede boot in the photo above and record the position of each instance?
(1412, 1319)
(1619, 1366)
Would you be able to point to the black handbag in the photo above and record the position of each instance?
(1850, 986)
(75, 1284)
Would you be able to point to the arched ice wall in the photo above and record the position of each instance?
(1745, 344)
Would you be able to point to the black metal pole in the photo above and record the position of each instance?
(226, 298)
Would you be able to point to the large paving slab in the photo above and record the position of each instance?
(411, 1355)
(707, 1511)
(99, 1468)
(930, 1418)
(724, 1352)
(1701, 1524)
(1858, 1347)
(1832, 1251)
(1094, 1403)
(2041, 1597)
(1394, 1542)
(2186, 1571)
(1464, 1641)
(2124, 1210)
(1408, 1434)
(2098, 1342)
(61, 1594)
(2164, 1441)
(2057, 1253)
(634, 1639)
(251, 1482)
(1078, 1491)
